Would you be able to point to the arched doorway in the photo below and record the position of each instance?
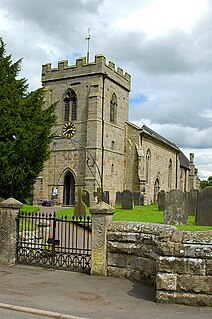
(69, 189)
(156, 189)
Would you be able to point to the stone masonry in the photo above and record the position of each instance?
(95, 97)
(177, 263)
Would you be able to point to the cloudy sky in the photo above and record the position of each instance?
(166, 46)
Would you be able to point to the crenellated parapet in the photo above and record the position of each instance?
(82, 68)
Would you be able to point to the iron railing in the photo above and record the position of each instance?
(45, 240)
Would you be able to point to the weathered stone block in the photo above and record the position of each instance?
(193, 250)
(136, 249)
(200, 237)
(165, 249)
(184, 298)
(137, 237)
(209, 267)
(132, 262)
(197, 284)
(166, 281)
(181, 265)
(137, 275)
(164, 231)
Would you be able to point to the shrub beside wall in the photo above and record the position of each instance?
(177, 263)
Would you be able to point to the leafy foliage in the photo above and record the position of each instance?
(205, 183)
(25, 131)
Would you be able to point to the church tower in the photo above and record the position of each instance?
(94, 97)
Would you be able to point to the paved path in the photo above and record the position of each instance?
(78, 294)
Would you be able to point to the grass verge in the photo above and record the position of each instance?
(147, 214)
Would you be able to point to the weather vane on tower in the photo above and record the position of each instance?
(88, 39)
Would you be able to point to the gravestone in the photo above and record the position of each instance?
(204, 207)
(161, 200)
(127, 200)
(106, 197)
(86, 197)
(79, 208)
(191, 202)
(141, 199)
(175, 212)
(138, 199)
(118, 198)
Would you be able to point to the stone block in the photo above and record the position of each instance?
(132, 262)
(177, 265)
(209, 267)
(166, 281)
(190, 299)
(148, 279)
(137, 237)
(193, 251)
(197, 284)
(200, 237)
(135, 249)
(165, 249)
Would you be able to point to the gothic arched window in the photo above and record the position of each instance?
(70, 101)
(148, 157)
(170, 175)
(113, 107)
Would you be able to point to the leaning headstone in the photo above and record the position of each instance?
(79, 208)
(127, 200)
(161, 200)
(106, 197)
(175, 212)
(118, 198)
(191, 202)
(204, 207)
(86, 197)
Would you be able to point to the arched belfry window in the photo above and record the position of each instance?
(148, 158)
(113, 108)
(170, 175)
(70, 106)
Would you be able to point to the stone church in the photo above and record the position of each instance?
(96, 147)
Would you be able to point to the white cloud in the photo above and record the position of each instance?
(159, 17)
(166, 45)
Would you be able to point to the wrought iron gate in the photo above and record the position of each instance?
(45, 240)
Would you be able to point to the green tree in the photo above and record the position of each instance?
(25, 131)
(205, 183)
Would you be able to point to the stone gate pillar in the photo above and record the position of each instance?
(102, 215)
(8, 212)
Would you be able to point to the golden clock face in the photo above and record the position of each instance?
(69, 130)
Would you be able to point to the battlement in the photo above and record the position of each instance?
(82, 68)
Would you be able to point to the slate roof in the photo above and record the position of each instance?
(146, 130)
(184, 162)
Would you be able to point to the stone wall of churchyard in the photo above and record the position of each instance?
(177, 263)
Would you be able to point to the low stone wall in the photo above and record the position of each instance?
(177, 263)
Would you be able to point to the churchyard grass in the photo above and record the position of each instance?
(30, 209)
(147, 213)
